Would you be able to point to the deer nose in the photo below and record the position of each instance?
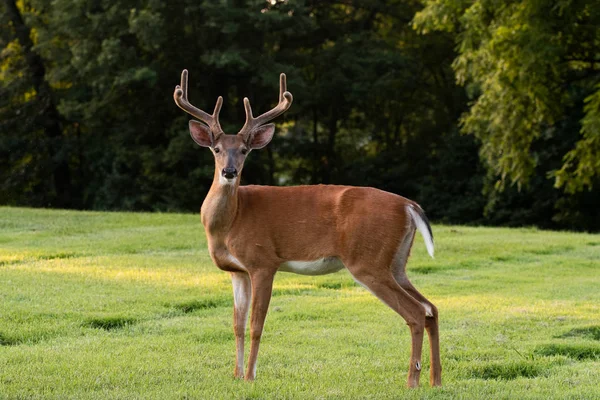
(229, 172)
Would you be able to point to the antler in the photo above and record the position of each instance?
(285, 101)
(180, 97)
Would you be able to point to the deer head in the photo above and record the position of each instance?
(230, 151)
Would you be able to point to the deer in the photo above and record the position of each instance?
(255, 231)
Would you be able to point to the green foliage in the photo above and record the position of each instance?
(525, 63)
(583, 162)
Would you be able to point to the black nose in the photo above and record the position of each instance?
(229, 173)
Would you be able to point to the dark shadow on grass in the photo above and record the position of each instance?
(187, 307)
(109, 323)
(551, 250)
(43, 257)
(8, 341)
(27, 339)
(588, 332)
(424, 270)
(297, 316)
(338, 285)
(292, 292)
(57, 256)
(12, 262)
(506, 371)
(330, 285)
(429, 269)
(576, 352)
(505, 258)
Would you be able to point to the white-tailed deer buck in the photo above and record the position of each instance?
(255, 231)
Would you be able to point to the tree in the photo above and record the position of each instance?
(32, 94)
(527, 65)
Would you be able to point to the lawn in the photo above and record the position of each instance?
(129, 305)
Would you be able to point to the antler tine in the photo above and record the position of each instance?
(285, 101)
(181, 99)
(282, 86)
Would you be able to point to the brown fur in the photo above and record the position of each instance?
(265, 226)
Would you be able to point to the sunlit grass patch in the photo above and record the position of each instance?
(158, 268)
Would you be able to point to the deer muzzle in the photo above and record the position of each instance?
(229, 172)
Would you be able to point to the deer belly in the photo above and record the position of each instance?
(321, 266)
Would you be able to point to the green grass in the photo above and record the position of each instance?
(122, 305)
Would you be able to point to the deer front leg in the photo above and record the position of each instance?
(242, 293)
(262, 286)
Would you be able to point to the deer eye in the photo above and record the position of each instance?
(244, 151)
(217, 150)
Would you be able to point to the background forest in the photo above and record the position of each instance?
(483, 111)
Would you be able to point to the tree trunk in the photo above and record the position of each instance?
(49, 118)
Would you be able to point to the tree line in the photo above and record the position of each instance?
(484, 112)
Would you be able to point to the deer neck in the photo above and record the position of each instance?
(220, 206)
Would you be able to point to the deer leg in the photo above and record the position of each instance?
(262, 286)
(388, 291)
(431, 325)
(241, 304)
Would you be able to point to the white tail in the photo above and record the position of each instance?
(423, 226)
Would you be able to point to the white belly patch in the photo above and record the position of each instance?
(321, 266)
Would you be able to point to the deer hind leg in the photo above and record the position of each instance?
(262, 287)
(431, 312)
(385, 287)
(242, 295)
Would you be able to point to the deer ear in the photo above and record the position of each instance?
(201, 134)
(261, 136)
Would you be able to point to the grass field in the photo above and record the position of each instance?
(121, 305)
